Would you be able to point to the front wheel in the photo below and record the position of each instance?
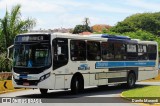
(43, 91)
(76, 85)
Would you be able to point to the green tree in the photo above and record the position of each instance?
(5, 64)
(104, 30)
(123, 27)
(83, 28)
(149, 22)
(11, 25)
(1, 42)
(142, 35)
(78, 29)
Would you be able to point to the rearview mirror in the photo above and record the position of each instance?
(9, 53)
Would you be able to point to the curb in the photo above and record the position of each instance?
(8, 91)
(143, 104)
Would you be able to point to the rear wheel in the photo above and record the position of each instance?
(43, 91)
(131, 80)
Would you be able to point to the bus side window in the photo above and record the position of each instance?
(93, 51)
(107, 51)
(142, 52)
(132, 52)
(60, 52)
(152, 52)
(78, 50)
(120, 52)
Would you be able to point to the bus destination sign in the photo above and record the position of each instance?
(27, 38)
(32, 38)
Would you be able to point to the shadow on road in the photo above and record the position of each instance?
(110, 90)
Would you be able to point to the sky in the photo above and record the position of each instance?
(50, 14)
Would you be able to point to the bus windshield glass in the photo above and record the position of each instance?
(34, 55)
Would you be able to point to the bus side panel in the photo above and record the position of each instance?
(102, 78)
(93, 80)
(102, 81)
(143, 75)
(67, 82)
(86, 79)
(59, 84)
(48, 83)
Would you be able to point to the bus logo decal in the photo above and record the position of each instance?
(84, 67)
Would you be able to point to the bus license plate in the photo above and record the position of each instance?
(26, 84)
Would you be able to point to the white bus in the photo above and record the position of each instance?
(67, 61)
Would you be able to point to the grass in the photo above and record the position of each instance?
(148, 91)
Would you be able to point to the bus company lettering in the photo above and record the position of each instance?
(123, 64)
(140, 63)
(101, 64)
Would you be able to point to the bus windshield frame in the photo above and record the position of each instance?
(32, 54)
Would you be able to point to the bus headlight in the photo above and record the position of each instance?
(44, 76)
(15, 76)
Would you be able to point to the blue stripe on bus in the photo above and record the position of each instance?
(125, 64)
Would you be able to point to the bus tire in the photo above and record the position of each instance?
(76, 85)
(131, 80)
(43, 91)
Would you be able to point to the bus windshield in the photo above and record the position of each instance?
(35, 55)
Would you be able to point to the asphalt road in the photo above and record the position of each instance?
(103, 96)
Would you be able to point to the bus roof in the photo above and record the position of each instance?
(100, 37)
(103, 37)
